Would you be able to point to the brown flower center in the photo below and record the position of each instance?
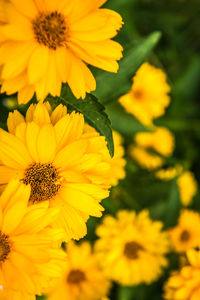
(132, 249)
(50, 29)
(4, 246)
(185, 236)
(138, 94)
(76, 277)
(44, 180)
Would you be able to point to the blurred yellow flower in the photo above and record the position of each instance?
(169, 173)
(161, 140)
(186, 234)
(63, 164)
(184, 284)
(145, 159)
(47, 43)
(132, 248)
(30, 255)
(117, 162)
(83, 279)
(148, 97)
(187, 185)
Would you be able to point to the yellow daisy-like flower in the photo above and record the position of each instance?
(63, 163)
(144, 158)
(132, 248)
(186, 234)
(161, 140)
(169, 173)
(148, 97)
(187, 185)
(47, 43)
(30, 255)
(83, 278)
(184, 284)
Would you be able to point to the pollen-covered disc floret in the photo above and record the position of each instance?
(185, 282)
(44, 180)
(65, 162)
(83, 278)
(131, 248)
(47, 43)
(50, 29)
(5, 247)
(29, 248)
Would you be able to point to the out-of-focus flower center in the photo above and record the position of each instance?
(132, 249)
(76, 277)
(185, 236)
(138, 94)
(44, 180)
(4, 246)
(50, 29)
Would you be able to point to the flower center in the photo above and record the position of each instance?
(50, 29)
(44, 180)
(185, 236)
(76, 277)
(138, 94)
(4, 246)
(131, 250)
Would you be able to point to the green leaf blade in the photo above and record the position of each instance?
(110, 86)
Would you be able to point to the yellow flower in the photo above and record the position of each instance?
(161, 140)
(83, 279)
(148, 97)
(169, 173)
(47, 43)
(132, 248)
(117, 162)
(30, 255)
(187, 185)
(145, 159)
(64, 164)
(184, 284)
(187, 232)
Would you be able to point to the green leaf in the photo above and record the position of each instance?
(173, 206)
(110, 86)
(93, 111)
(123, 122)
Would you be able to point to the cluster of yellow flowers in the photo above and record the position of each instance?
(55, 168)
(136, 257)
(62, 170)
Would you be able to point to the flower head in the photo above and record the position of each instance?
(144, 158)
(63, 162)
(30, 255)
(131, 248)
(185, 283)
(187, 187)
(161, 140)
(47, 43)
(148, 97)
(83, 278)
(186, 234)
(169, 173)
